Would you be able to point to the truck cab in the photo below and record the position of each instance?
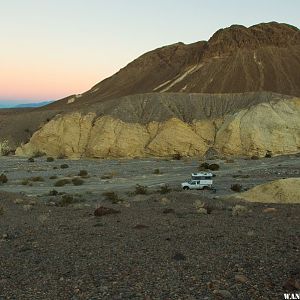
(198, 181)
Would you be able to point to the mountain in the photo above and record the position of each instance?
(236, 94)
(36, 104)
(263, 57)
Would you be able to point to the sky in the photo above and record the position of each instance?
(54, 48)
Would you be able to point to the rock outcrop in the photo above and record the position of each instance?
(252, 131)
(278, 191)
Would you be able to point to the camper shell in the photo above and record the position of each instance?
(199, 181)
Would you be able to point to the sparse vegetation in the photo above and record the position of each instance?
(4, 148)
(112, 197)
(141, 189)
(50, 159)
(36, 178)
(236, 187)
(77, 181)
(66, 200)
(156, 171)
(177, 156)
(206, 166)
(53, 193)
(62, 182)
(25, 182)
(1, 210)
(83, 173)
(53, 177)
(30, 159)
(61, 156)
(38, 154)
(3, 178)
(229, 161)
(107, 176)
(64, 166)
(254, 157)
(214, 167)
(165, 189)
(268, 154)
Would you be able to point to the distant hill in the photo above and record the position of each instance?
(36, 104)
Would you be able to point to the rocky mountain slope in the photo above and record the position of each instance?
(263, 57)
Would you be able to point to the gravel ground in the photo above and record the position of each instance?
(151, 249)
(157, 246)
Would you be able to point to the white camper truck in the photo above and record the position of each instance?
(199, 181)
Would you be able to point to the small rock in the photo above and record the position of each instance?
(140, 226)
(27, 207)
(32, 202)
(269, 210)
(178, 256)
(102, 211)
(164, 201)
(5, 236)
(202, 210)
(251, 233)
(240, 278)
(168, 211)
(239, 210)
(223, 294)
(292, 284)
(18, 201)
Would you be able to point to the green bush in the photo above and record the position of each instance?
(25, 182)
(30, 159)
(236, 187)
(50, 159)
(141, 189)
(62, 182)
(165, 189)
(214, 167)
(112, 196)
(177, 156)
(53, 193)
(156, 171)
(64, 166)
(268, 154)
(83, 173)
(66, 200)
(203, 166)
(36, 178)
(3, 178)
(77, 181)
(38, 154)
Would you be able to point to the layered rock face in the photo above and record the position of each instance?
(270, 126)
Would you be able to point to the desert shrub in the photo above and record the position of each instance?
(177, 156)
(156, 171)
(53, 193)
(3, 178)
(203, 166)
(36, 178)
(53, 177)
(61, 156)
(214, 167)
(268, 154)
(50, 159)
(254, 157)
(66, 200)
(165, 189)
(38, 154)
(55, 167)
(140, 189)
(236, 187)
(107, 176)
(30, 159)
(62, 182)
(25, 182)
(77, 181)
(83, 173)
(64, 166)
(1, 210)
(112, 196)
